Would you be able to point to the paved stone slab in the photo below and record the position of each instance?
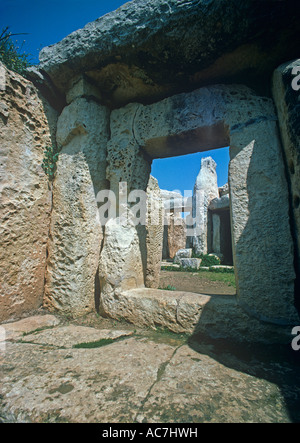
(15, 330)
(197, 388)
(151, 378)
(107, 384)
(69, 336)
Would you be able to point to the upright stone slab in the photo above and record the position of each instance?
(126, 162)
(176, 233)
(263, 247)
(216, 236)
(286, 87)
(205, 190)
(26, 122)
(155, 228)
(76, 232)
(120, 264)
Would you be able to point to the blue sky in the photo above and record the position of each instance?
(180, 173)
(47, 22)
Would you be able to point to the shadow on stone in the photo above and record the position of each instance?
(277, 364)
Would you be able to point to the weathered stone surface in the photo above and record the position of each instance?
(75, 239)
(224, 190)
(151, 376)
(190, 263)
(216, 237)
(80, 87)
(83, 126)
(175, 232)
(76, 232)
(203, 394)
(72, 385)
(26, 122)
(185, 312)
(174, 201)
(69, 336)
(182, 253)
(286, 95)
(205, 190)
(15, 330)
(150, 48)
(233, 115)
(155, 229)
(126, 162)
(259, 208)
(152, 381)
(120, 265)
(151, 307)
(219, 203)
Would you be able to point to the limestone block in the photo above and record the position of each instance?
(16, 330)
(193, 263)
(26, 122)
(76, 232)
(182, 253)
(83, 126)
(176, 233)
(80, 87)
(120, 264)
(263, 249)
(216, 240)
(126, 162)
(205, 190)
(149, 48)
(286, 95)
(186, 312)
(219, 203)
(75, 239)
(70, 336)
(224, 190)
(155, 228)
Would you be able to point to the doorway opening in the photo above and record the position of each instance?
(179, 178)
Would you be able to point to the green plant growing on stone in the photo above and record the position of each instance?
(49, 162)
(11, 54)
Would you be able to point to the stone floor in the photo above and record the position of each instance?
(97, 370)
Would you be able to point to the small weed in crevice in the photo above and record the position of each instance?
(49, 162)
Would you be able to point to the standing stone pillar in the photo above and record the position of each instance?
(26, 125)
(286, 85)
(262, 244)
(75, 231)
(216, 234)
(128, 164)
(154, 238)
(205, 189)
